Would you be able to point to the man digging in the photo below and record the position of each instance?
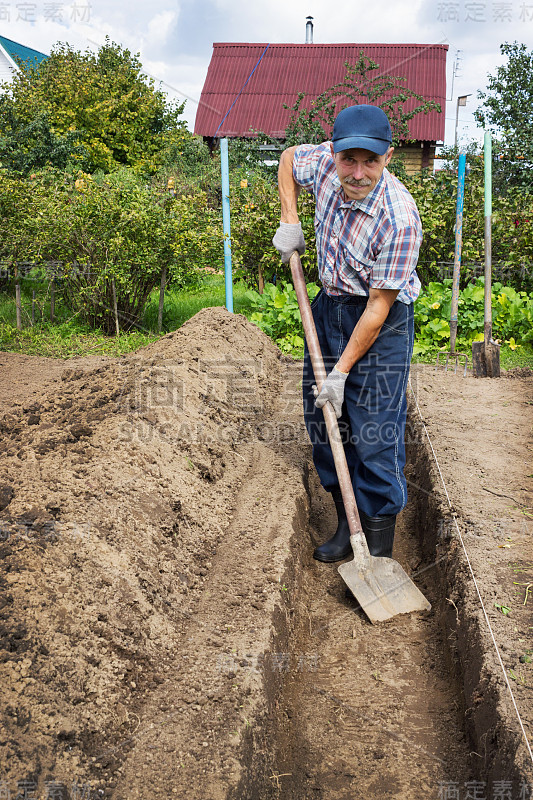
(368, 235)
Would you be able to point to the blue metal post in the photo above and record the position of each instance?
(458, 248)
(226, 222)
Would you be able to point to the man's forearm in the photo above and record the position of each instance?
(289, 190)
(367, 329)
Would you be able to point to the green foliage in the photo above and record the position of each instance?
(255, 218)
(104, 99)
(33, 145)
(181, 304)
(15, 218)
(512, 316)
(186, 162)
(512, 226)
(362, 83)
(276, 312)
(506, 112)
(105, 231)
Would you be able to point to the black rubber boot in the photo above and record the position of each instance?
(338, 547)
(379, 535)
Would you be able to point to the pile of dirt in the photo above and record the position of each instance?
(164, 630)
(120, 483)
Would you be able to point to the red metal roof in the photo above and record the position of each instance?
(284, 70)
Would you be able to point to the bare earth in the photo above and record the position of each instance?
(164, 630)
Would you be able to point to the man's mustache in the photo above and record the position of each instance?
(352, 182)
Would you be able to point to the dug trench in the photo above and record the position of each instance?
(165, 630)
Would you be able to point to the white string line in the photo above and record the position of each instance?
(474, 579)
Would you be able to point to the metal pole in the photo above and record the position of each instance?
(456, 122)
(226, 222)
(458, 248)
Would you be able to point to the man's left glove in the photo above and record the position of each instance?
(288, 238)
(332, 390)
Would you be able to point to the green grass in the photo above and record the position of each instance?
(521, 357)
(182, 304)
(65, 340)
(68, 336)
(509, 359)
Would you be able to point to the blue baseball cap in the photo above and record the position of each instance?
(367, 127)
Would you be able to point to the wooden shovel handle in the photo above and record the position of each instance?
(330, 418)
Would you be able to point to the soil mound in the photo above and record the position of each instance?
(120, 482)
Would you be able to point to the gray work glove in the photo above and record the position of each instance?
(288, 238)
(332, 390)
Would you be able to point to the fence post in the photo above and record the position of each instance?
(117, 329)
(17, 299)
(33, 308)
(52, 298)
(161, 299)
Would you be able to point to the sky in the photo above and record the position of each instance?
(175, 37)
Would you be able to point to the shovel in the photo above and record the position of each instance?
(380, 585)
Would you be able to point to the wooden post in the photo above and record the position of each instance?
(33, 308)
(17, 299)
(52, 299)
(117, 329)
(161, 299)
(260, 280)
(492, 349)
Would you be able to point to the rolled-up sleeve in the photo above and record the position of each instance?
(305, 164)
(397, 259)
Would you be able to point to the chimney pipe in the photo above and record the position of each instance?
(309, 30)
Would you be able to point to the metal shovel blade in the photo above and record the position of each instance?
(381, 586)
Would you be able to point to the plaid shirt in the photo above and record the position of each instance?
(361, 244)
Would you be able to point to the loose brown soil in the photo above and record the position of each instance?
(164, 629)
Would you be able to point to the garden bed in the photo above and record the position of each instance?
(165, 630)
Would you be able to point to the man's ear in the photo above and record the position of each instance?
(331, 148)
(388, 155)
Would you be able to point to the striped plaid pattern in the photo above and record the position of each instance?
(370, 243)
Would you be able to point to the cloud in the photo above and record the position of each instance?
(175, 38)
(161, 27)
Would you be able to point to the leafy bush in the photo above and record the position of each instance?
(512, 227)
(109, 230)
(277, 314)
(512, 315)
(121, 117)
(254, 221)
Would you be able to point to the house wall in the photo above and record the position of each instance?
(416, 156)
(6, 67)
